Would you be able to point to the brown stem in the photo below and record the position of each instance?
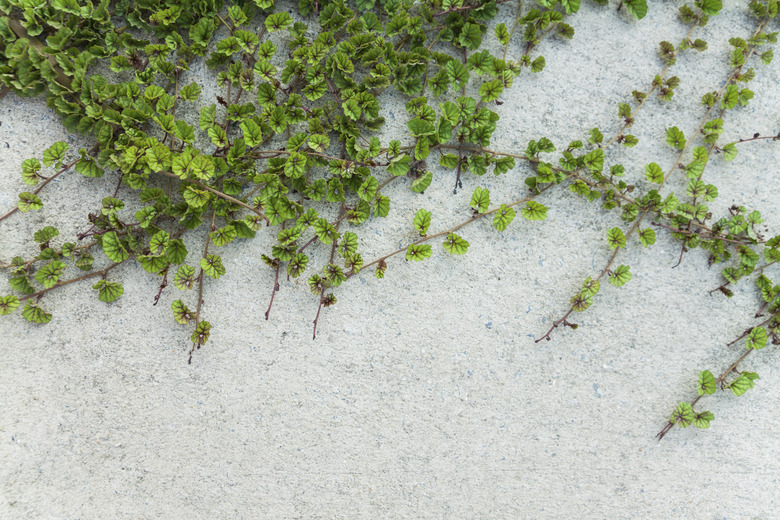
(219, 194)
(479, 216)
(62, 170)
(555, 326)
(317, 317)
(74, 280)
(273, 292)
(669, 425)
(200, 284)
(332, 254)
(722, 377)
(163, 285)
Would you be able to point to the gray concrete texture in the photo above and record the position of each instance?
(424, 395)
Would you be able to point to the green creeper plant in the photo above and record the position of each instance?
(291, 140)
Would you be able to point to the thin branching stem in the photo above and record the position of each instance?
(57, 285)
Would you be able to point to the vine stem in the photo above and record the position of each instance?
(611, 260)
(677, 162)
(103, 272)
(200, 284)
(273, 291)
(453, 229)
(62, 170)
(689, 232)
(722, 377)
(219, 194)
(630, 120)
(88, 232)
(332, 254)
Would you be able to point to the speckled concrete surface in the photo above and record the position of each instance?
(425, 395)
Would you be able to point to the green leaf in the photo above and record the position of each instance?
(45, 234)
(654, 173)
(709, 7)
(8, 304)
(491, 90)
(113, 247)
(325, 231)
(181, 313)
(399, 165)
(596, 136)
(295, 165)
(580, 302)
(35, 314)
(730, 97)
(595, 160)
(22, 284)
(590, 287)
(185, 277)
(756, 339)
(647, 237)
(158, 243)
(620, 276)
(502, 33)
(216, 134)
(29, 201)
(194, 197)
(278, 21)
(421, 183)
(470, 36)
(683, 415)
(743, 383)
(675, 138)
(55, 153)
(224, 235)
(418, 252)
(297, 265)
(571, 6)
(480, 200)
(348, 245)
(729, 151)
(111, 205)
(253, 136)
(455, 244)
(381, 206)
(503, 217)
(420, 127)
(421, 221)
(703, 419)
(706, 384)
(153, 264)
(176, 251)
(191, 92)
(638, 8)
(30, 169)
(538, 64)
(534, 211)
(108, 291)
(630, 141)
(319, 143)
(212, 266)
(184, 131)
(367, 190)
(50, 274)
(616, 238)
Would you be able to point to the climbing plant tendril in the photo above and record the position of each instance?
(295, 144)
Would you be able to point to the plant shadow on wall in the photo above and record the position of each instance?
(289, 146)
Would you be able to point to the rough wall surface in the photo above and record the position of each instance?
(424, 394)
